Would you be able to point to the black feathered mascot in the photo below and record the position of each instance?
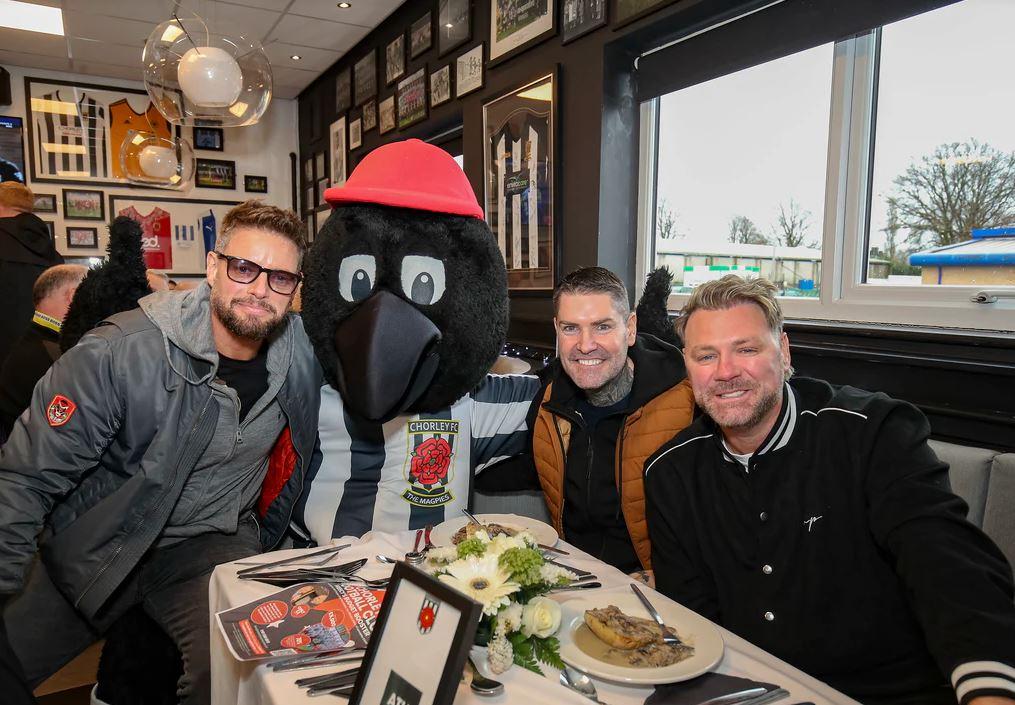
(405, 302)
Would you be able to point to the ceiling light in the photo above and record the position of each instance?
(34, 18)
(295, 57)
(345, 5)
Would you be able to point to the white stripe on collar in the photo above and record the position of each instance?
(786, 423)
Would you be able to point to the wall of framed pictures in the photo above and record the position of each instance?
(71, 128)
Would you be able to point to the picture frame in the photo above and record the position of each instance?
(337, 151)
(255, 184)
(209, 138)
(44, 203)
(520, 147)
(51, 227)
(627, 11)
(394, 59)
(12, 150)
(322, 186)
(215, 173)
(513, 31)
(365, 77)
(369, 112)
(308, 169)
(310, 225)
(420, 614)
(386, 115)
(321, 216)
(308, 198)
(454, 25)
(440, 86)
(412, 99)
(421, 35)
(469, 71)
(355, 134)
(83, 204)
(579, 17)
(343, 90)
(82, 238)
(319, 165)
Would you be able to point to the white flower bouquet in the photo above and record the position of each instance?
(508, 576)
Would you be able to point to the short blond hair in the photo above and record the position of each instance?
(260, 216)
(731, 291)
(56, 278)
(17, 196)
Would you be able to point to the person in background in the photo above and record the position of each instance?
(39, 347)
(158, 281)
(26, 250)
(816, 522)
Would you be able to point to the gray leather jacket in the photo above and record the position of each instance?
(100, 480)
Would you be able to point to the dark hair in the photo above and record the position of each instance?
(594, 280)
(258, 215)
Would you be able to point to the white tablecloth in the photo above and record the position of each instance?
(252, 684)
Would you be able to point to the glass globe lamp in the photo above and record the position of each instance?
(150, 160)
(197, 78)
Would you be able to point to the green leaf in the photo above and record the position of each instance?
(523, 652)
(548, 651)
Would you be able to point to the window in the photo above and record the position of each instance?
(873, 179)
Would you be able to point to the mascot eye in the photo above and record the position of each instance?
(423, 279)
(356, 277)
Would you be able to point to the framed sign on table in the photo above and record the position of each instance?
(177, 234)
(520, 144)
(76, 130)
(513, 29)
(336, 138)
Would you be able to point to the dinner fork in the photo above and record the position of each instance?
(668, 636)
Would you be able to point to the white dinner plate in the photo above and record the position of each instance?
(544, 533)
(693, 629)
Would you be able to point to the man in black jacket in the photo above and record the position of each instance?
(816, 522)
(26, 250)
(39, 347)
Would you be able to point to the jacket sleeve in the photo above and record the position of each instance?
(75, 411)
(676, 552)
(500, 427)
(960, 584)
(513, 471)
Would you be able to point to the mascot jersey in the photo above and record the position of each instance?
(413, 470)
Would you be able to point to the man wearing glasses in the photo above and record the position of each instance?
(142, 456)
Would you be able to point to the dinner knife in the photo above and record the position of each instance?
(293, 559)
(737, 698)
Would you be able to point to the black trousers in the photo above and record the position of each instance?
(171, 585)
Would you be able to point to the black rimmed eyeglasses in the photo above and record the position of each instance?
(243, 271)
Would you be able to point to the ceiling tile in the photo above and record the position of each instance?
(367, 13)
(106, 29)
(315, 32)
(104, 52)
(34, 61)
(33, 42)
(311, 59)
(153, 11)
(285, 92)
(265, 4)
(252, 23)
(95, 68)
(285, 76)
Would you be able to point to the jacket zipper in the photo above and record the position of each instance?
(563, 474)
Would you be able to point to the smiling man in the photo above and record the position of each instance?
(816, 522)
(141, 458)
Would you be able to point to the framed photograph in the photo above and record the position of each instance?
(319, 162)
(356, 134)
(208, 138)
(215, 173)
(386, 115)
(369, 115)
(365, 77)
(337, 149)
(343, 91)
(579, 17)
(308, 198)
(310, 225)
(322, 186)
(520, 143)
(81, 204)
(79, 238)
(177, 233)
(44, 203)
(12, 151)
(469, 71)
(255, 184)
(420, 35)
(51, 226)
(440, 86)
(454, 24)
(515, 28)
(412, 99)
(627, 11)
(308, 169)
(394, 60)
(320, 218)
(419, 615)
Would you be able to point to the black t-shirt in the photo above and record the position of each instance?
(248, 377)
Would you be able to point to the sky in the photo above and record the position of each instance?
(744, 143)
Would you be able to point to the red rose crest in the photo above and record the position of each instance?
(60, 410)
(430, 461)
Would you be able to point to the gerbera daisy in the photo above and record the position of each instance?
(483, 580)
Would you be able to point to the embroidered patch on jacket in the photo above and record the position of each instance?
(428, 467)
(60, 410)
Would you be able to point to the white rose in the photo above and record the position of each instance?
(541, 617)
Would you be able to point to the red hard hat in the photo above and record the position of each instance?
(409, 174)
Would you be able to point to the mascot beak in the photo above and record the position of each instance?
(387, 355)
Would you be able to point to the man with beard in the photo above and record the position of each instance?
(816, 522)
(139, 464)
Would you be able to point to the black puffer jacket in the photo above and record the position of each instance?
(26, 250)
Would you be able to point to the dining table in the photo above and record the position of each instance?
(255, 683)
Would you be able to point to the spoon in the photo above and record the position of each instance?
(579, 683)
(481, 685)
(384, 559)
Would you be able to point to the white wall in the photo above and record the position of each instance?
(262, 149)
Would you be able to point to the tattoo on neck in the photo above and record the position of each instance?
(614, 390)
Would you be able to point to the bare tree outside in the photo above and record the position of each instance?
(895, 249)
(742, 230)
(961, 186)
(666, 221)
(792, 226)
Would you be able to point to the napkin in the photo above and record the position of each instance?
(710, 685)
